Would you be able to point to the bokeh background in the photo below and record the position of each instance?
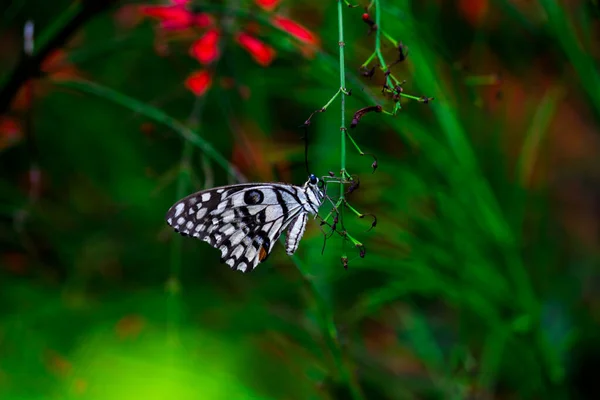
(480, 280)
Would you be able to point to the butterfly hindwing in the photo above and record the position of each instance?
(294, 233)
(243, 221)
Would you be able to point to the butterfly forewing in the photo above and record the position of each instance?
(244, 221)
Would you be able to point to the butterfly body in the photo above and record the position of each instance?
(244, 221)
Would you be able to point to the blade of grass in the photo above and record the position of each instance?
(173, 284)
(535, 134)
(156, 115)
(329, 332)
(581, 60)
(487, 203)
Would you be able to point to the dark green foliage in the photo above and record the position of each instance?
(480, 279)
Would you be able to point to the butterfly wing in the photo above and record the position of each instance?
(242, 221)
(295, 232)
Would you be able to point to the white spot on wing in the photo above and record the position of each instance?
(237, 252)
(237, 237)
(221, 206)
(189, 225)
(205, 197)
(242, 267)
(228, 229)
(227, 216)
(180, 221)
(250, 253)
(179, 209)
(230, 262)
(238, 200)
(223, 250)
(170, 221)
(201, 213)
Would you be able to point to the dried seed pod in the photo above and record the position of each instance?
(353, 186)
(344, 261)
(361, 113)
(368, 73)
(362, 250)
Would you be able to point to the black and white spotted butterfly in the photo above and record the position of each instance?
(244, 221)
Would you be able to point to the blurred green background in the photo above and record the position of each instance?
(480, 280)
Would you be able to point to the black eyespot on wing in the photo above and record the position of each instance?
(253, 197)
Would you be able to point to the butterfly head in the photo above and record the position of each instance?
(316, 185)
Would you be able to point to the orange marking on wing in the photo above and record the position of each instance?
(262, 254)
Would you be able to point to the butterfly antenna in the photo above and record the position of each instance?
(306, 149)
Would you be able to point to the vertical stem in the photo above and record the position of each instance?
(378, 30)
(343, 89)
(378, 42)
(174, 305)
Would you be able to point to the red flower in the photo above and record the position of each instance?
(58, 66)
(55, 66)
(198, 82)
(294, 29)
(177, 16)
(268, 5)
(474, 11)
(206, 49)
(10, 132)
(262, 53)
(14, 262)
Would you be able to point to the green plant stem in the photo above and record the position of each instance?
(378, 42)
(391, 39)
(371, 57)
(581, 59)
(174, 307)
(331, 100)
(343, 102)
(173, 286)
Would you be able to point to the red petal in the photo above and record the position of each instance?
(295, 29)
(206, 49)
(262, 53)
(198, 82)
(268, 5)
(54, 59)
(203, 20)
(474, 11)
(172, 17)
(10, 132)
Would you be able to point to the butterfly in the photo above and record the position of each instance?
(244, 221)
